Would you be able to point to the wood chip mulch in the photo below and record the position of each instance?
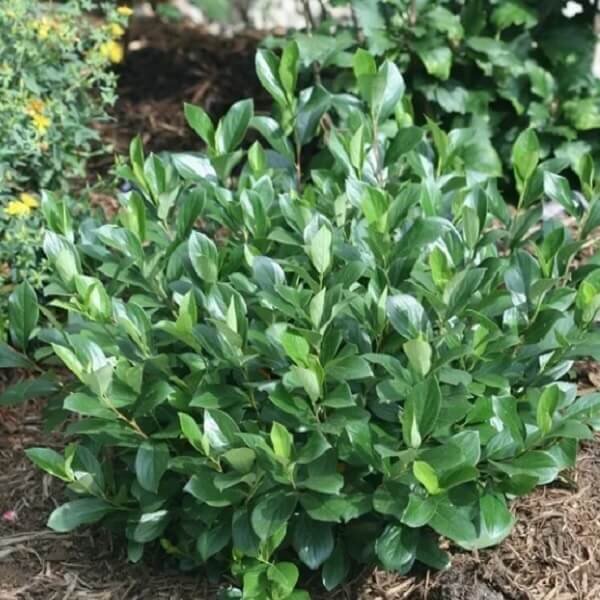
(553, 553)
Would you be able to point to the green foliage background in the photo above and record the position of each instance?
(497, 66)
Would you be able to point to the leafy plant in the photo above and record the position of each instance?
(22, 258)
(499, 66)
(55, 82)
(281, 364)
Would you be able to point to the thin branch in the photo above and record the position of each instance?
(310, 20)
(360, 38)
(323, 10)
(413, 12)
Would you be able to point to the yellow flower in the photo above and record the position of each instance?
(41, 123)
(15, 208)
(44, 26)
(124, 11)
(28, 200)
(113, 51)
(116, 30)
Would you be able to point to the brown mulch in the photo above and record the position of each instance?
(553, 553)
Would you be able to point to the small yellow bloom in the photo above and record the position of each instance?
(41, 123)
(116, 31)
(44, 26)
(113, 51)
(28, 200)
(124, 11)
(15, 208)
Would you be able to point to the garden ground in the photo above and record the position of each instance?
(553, 553)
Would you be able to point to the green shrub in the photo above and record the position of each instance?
(497, 66)
(333, 365)
(21, 258)
(54, 82)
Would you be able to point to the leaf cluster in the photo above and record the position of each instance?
(499, 66)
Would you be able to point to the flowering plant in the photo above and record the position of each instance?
(20, 239)
(55, 81)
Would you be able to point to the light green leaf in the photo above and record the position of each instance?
(418, 352)
(233, 126)
(220, 430)
(282, 441)
(50, 461)
(526, 154)
(437, 60)
(267, 69)
(201, 123)
(426, 475)
(204, 257)
(320, 249)
(288, 68)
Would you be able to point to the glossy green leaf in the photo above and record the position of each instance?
(313, 541)
(272, 512)
(233, 126)
(204, 257)
(526, 154)
(23, 314)
(151, 462)
(396, 548)
(71, 515)
(201, 123)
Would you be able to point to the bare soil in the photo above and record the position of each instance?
(167, 65)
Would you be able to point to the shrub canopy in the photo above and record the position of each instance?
(280, 365)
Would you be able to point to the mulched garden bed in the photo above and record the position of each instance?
(553, 553)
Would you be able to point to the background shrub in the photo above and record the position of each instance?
(54, 82)
(498, 66)
(279, 365)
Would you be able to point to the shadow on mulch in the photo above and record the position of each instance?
(169, 64)
(553, 553)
